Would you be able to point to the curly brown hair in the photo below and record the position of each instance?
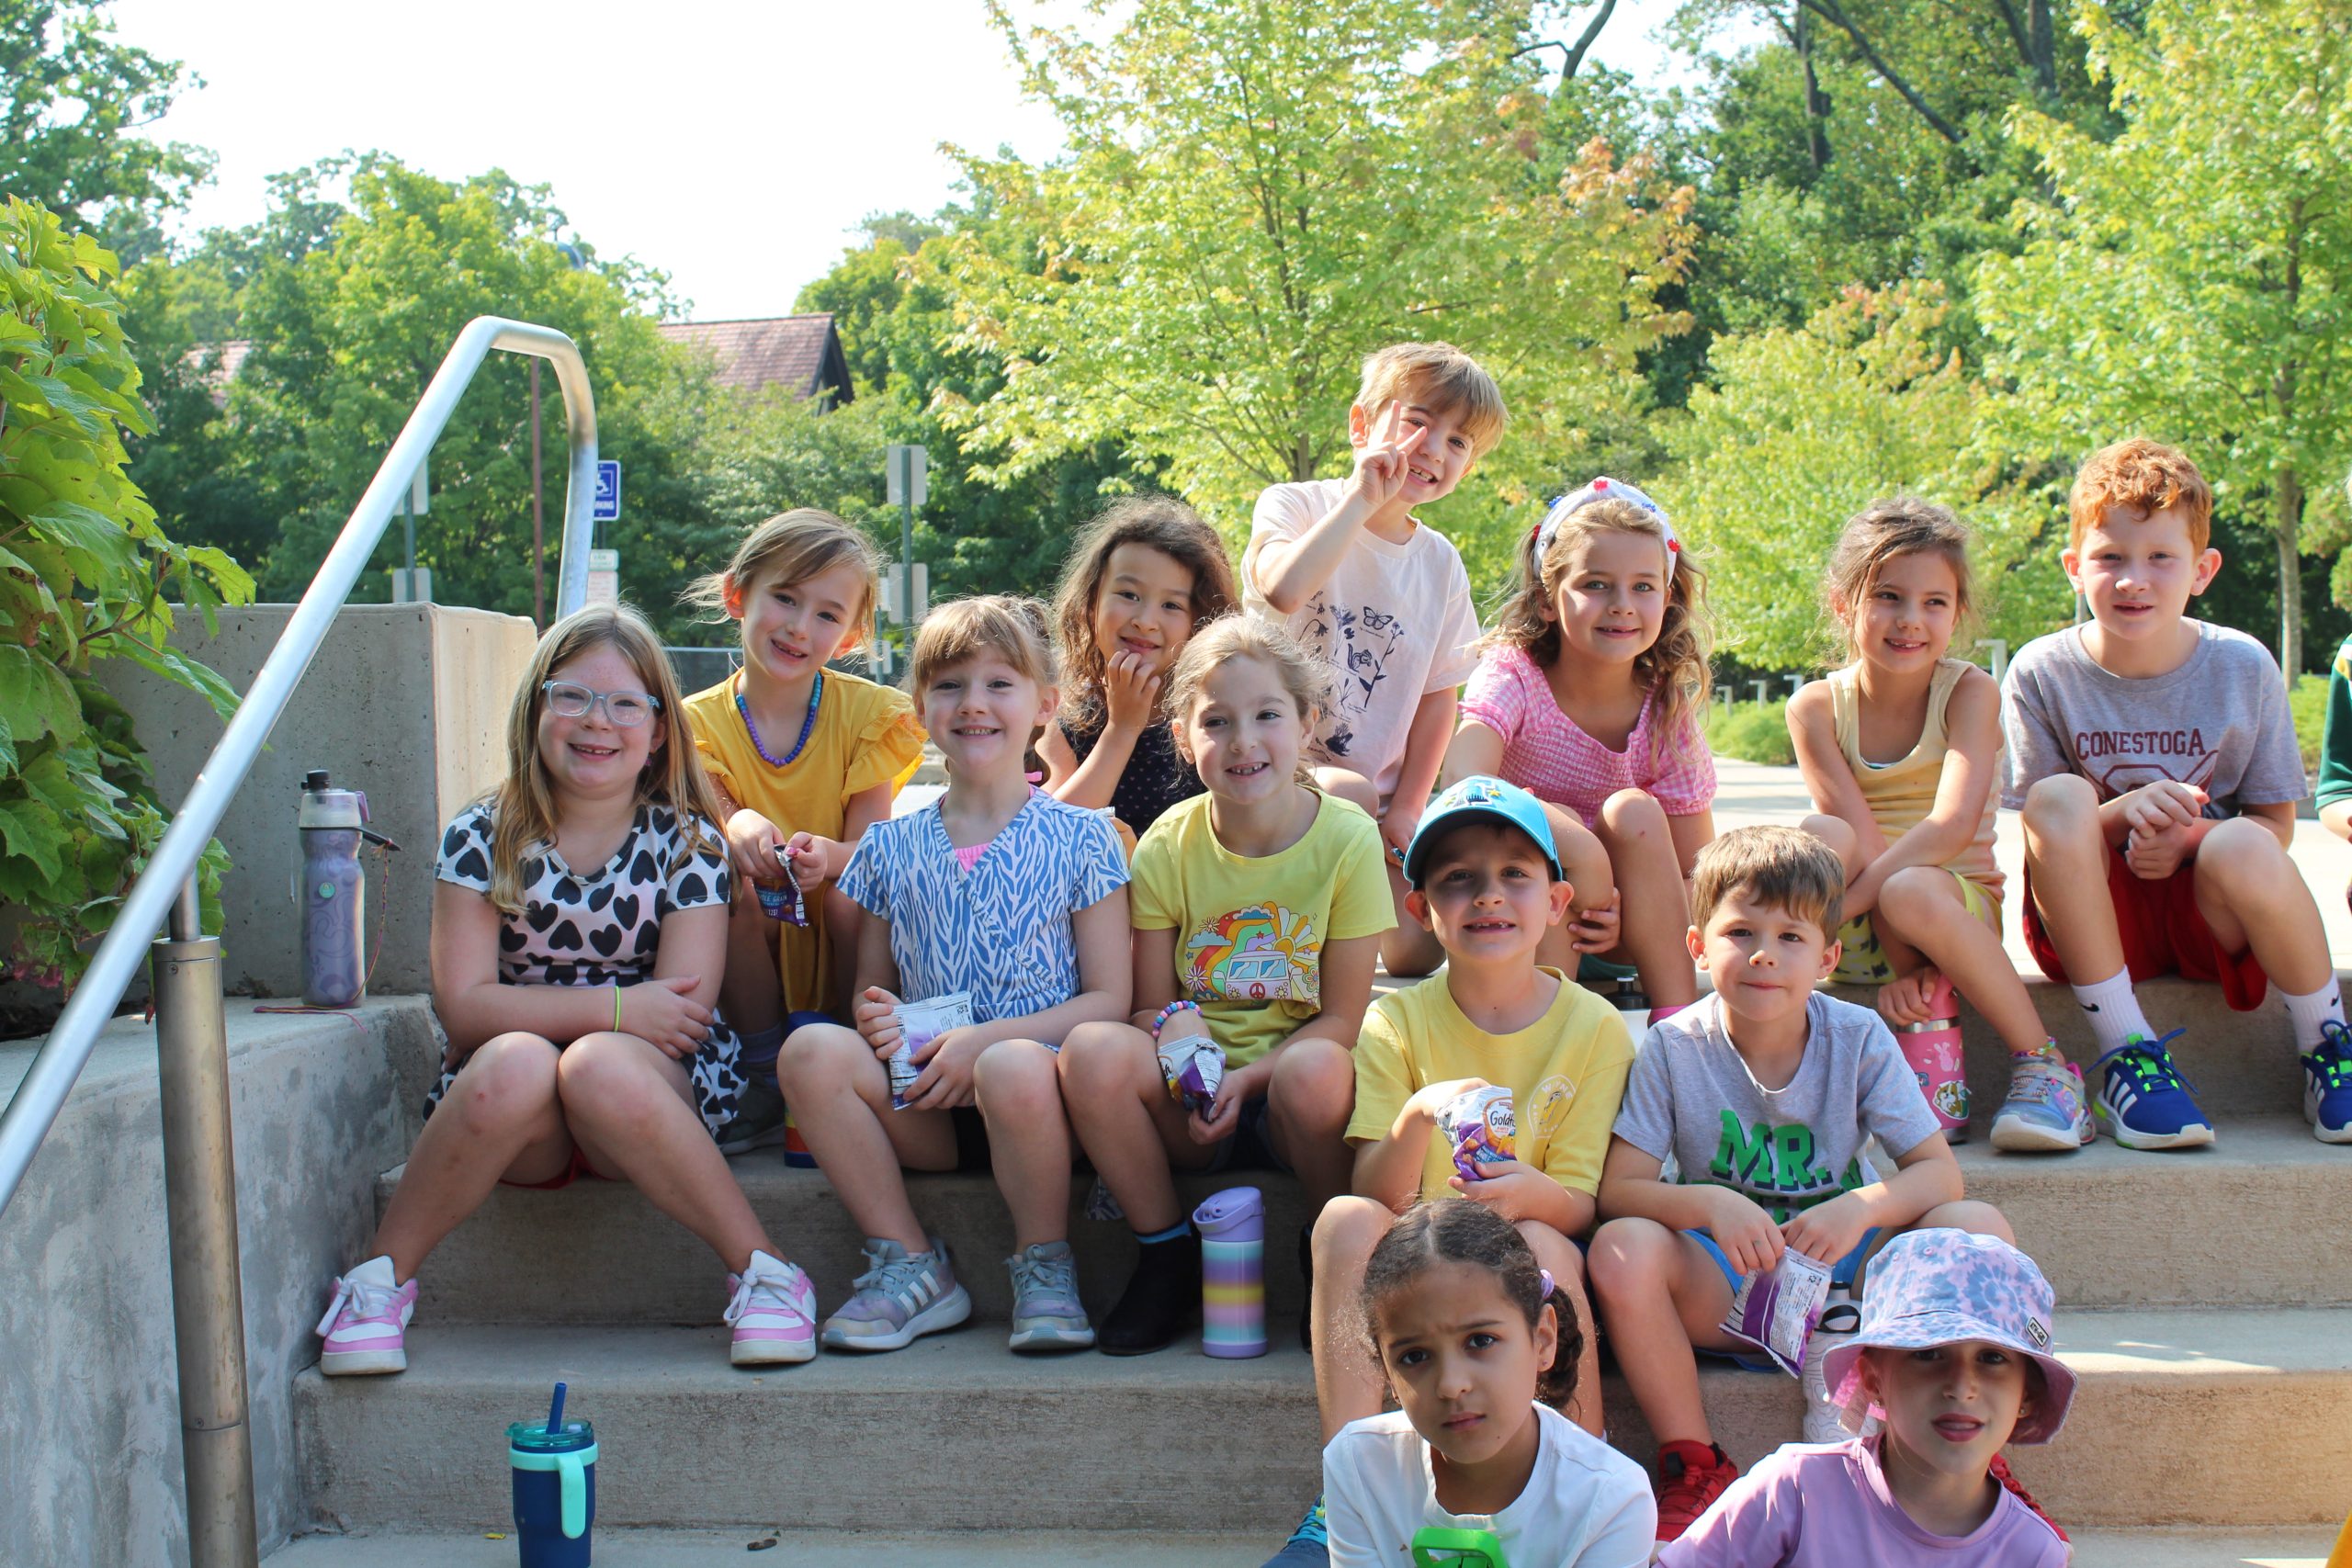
(1455, 1230)
(1158, 521)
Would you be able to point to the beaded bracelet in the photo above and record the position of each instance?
(1171, 1011)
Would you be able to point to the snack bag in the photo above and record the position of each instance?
(1481, 1123)
(1193, 1068)
(1776, 1312)
(785, 902)
(921, 1023)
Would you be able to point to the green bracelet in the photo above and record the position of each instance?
(617, 1007)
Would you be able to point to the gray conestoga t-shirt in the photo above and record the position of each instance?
(2218, 722)
(1692, 1096)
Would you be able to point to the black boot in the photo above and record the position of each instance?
(1162, 1299)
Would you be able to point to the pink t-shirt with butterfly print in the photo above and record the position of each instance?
(1546, 754)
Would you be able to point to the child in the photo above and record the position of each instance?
(578, 930)
(1485, 878)
(1953, 1357)
(1589, 696)
(1900, 748)
(804, 759)
(1763, 1094)
(1380, 597)
(1142, 578)
(1480, 1347)
(2155, 763)
(1258, 908)
(1003, 893)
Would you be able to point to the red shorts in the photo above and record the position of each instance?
(562, 1178)
(2164, 932)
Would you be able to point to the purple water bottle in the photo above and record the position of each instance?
(332, 894)
(1233, 1273)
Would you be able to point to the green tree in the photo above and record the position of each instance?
(1258, 196)
(2192, 278)
(73, 97)
(1803, 426)
(86, 574)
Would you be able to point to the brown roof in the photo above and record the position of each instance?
(802, 354)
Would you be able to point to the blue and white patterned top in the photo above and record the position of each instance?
(1001, 930)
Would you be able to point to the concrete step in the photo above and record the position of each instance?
(490, 1547)
(597, 1253)
(2183, 1417)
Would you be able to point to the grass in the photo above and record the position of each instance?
(2307, 700)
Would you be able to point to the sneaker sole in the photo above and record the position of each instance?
(771, 1352)
(2333, 1134)
(2195, 1136)
(1053, 1336)
(2013, 1134)
(762, 1140)
(362, 1363)
(945, 1313)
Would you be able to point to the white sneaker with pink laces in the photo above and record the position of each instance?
(773, 1309)
(365, 1323)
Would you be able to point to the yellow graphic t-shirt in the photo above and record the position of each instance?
(1251, 931)
(864, 735)
(1566, 1072)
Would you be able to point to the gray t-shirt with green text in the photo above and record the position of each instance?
(1692, 1097)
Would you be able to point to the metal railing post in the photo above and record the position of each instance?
(200, 1189)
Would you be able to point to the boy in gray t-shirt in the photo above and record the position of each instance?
(1764, 1094)
(2155, 763)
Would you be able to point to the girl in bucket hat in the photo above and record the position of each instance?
(1953, 1357)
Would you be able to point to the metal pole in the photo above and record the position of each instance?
(201, 1191)
(538, 515)
(408, 538)
(907, 549)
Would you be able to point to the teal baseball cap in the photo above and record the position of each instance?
(1481, 797)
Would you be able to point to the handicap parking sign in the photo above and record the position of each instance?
(608, 491)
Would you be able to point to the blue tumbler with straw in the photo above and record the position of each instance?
(555, 1488)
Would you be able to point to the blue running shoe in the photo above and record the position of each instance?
(1309, 1545)
(2144, 1101)
(2327, 1085)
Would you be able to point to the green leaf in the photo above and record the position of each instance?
(35, 697)
(179, 669)
(27, 830)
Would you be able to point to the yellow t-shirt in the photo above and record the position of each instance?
(1566, 1072)
(864, 735)
(1251, 931)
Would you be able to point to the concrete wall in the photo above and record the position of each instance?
(89, 1402)
(407, 701)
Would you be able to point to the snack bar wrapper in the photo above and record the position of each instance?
(922, 1022)
(1481, 1124)
(1193, 1067)
(1775, 1312)
(786, 901)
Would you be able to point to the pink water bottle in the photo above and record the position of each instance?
(1933, 1050)
(1233, 1273)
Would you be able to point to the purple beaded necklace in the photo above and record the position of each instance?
(816, 695)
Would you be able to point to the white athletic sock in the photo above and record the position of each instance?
(2114, 1010)
(2309, 1012)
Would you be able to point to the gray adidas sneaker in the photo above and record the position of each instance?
(1046, 1314)
(900, 1295)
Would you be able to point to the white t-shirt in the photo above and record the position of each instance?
(1586, 1506)
(1395, 623)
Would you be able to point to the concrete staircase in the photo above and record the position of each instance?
(2205, 1300)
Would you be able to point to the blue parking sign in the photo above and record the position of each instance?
(608, 491)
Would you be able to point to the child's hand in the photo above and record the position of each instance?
(2153, 856)
(1594, 929)
(946, 1079)
(812, 858)
(662, 1014)
(2152, 807)
(1507, 1187)
(873, 1013)
(1431, 1099)
(1223, 1114)
(1826, 1232)
(1130, 691)
(1744, 1231)
(1903, 1000)
(1398, 825)
(751, 843)
(1380, 462)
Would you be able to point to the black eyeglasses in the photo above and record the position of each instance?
(568, 699)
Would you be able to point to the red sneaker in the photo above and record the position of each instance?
(1690, 1477)
(2000, 1471)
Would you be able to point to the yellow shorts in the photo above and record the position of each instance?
(1863, 960)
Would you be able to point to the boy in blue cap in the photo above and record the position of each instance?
(1484, 877)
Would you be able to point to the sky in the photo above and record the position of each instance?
(734, 144)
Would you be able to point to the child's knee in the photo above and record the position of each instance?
(1346, 1232)
(1556, 1253)
(1018, 1078)
(1632, 814)
(508, 1077)
(1098, 1058)
(1969, 1214)
(1630, 1257)
(2063, 805)
(1313, 1079)
(817, 1056)
(1918, 895)
(2245, 862)
(1833, 831)
(1349, 786)
(602, 1068)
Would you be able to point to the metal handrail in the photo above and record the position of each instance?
(42, 1095)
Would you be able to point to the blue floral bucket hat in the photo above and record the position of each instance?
(1939, 1286)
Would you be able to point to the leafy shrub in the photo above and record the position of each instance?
(1751, 731)
(84, 574)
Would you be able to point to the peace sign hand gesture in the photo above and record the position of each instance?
(1380, 461)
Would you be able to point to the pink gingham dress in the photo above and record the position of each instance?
(1545, 754)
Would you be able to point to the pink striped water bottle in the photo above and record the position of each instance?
(1233, 1273)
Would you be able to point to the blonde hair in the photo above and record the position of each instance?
(1011, 626)
(1780, 868)
(1306, 679)
(1879, 534)
(523, 803)
(1442, 377)
(1156, 521)
(1674, 667)
(792, 546)
(2143, 476)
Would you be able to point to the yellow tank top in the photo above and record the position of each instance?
(864, 735)
(1901, 793)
